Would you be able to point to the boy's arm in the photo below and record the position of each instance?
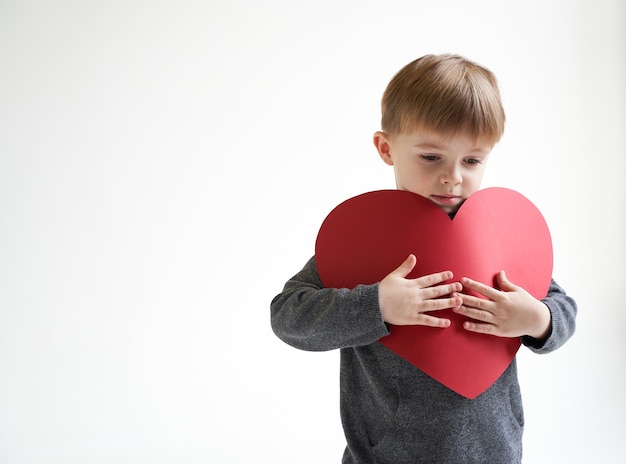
(310, 317)
(563, 311)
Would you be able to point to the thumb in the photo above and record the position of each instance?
(407, 266)
(504, 283)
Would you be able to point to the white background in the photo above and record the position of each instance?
(165, 166)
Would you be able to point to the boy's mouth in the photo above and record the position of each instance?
(446, 200)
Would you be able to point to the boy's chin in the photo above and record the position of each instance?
(451, 210)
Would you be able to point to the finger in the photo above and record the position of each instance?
(433, 321)
(433, 279)
(504, 283)
(485, 290)
(441, 290)
(488, 329)
(442, 303)
(471, 301)
(406, 267)
(473, 313)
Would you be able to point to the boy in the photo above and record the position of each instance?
(441, 116)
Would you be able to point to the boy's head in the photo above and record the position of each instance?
(441, 115)
(446, 94)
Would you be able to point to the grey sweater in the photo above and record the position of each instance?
(391, 411)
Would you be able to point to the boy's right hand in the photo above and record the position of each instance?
(405, 301)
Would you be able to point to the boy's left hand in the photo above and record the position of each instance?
(508, 312)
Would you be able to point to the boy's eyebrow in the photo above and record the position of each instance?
(427, 145)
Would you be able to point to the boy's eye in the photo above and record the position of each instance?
(473, 161)
(429, 157)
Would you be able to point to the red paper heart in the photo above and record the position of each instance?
(368, 236)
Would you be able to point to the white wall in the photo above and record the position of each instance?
(165, 165)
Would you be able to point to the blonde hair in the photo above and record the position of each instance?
(447, 94)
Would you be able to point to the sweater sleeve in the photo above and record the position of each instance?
(563, 311)
(310, 317)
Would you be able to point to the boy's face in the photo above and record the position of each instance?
(444, 169)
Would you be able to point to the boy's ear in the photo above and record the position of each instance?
(381, 141)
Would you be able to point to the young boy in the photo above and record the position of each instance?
(441, 116)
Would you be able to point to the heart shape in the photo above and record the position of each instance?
(366, 237)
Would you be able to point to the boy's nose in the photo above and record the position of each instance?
(451, 176)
